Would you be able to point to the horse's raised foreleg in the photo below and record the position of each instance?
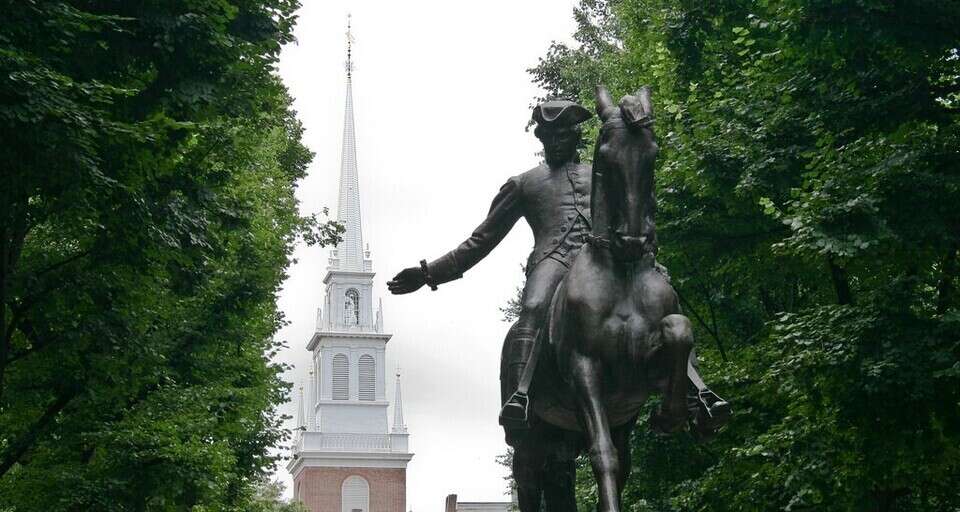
(676, 341)
(587, 376)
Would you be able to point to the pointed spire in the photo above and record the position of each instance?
(379, 325)
(301, 418)
(398, 426)
(350, 254)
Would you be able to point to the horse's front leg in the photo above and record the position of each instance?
(676, 342)
(559, 482)
(621, 441)
(527, 468)
(587, 378)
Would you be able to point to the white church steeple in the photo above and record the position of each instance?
(350, 254)
(345, 424)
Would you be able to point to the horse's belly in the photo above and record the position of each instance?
(558, 409)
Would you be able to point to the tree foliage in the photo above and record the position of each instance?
(808, 185)
(147, 215)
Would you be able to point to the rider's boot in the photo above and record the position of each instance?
(515, 411)
(708, 412)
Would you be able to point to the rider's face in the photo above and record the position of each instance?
(559, 146)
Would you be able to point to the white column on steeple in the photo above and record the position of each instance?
(311, 401)
(298, 433)
(398, 426)
(300, 416)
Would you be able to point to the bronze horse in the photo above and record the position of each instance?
(615, 332)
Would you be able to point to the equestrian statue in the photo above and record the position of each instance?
(600, 327)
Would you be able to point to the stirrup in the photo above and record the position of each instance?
(710, 414)
(514, 412)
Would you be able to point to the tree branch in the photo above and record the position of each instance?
(18, 447)
(716, 337)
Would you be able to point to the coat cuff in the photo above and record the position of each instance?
(444, 269)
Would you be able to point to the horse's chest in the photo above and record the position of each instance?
(617, 319)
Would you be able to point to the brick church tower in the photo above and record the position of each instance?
(345, 458)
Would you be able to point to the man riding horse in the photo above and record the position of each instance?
(554, 198)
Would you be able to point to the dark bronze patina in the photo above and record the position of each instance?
(599, 321)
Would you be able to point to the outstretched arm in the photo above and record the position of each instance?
(504, 213)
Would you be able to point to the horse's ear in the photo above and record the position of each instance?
(643, 94)
(604, 102)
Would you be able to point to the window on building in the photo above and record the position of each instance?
(351, 308)
(368, 377)
(341, 377)
(355, 495)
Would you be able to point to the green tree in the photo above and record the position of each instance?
(807, 190)
(269, 498)
(147, 216)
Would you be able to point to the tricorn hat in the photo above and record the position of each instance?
(559, 114)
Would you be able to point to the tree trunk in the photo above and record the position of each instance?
(841, 283)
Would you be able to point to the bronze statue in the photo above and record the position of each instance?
(554, 198)
(601, 326)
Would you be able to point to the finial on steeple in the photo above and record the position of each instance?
(349, 63)
(301, 417)
(398, 426)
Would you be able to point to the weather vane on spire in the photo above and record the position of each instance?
(349, 63)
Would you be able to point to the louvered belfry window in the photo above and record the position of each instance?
(351, 308)
(341, 377)
(368, 378)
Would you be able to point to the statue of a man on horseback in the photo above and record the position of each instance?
(595, 311)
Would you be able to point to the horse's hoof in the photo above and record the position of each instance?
(663, 423)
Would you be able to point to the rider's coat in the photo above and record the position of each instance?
(556, 205)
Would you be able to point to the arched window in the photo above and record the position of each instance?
(351, 308)
(355, 495)
(341, 377)
(368, 377)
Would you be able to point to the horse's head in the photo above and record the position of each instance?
(623, 197)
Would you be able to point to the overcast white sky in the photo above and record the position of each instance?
(441, 98)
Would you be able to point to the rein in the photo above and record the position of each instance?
(597, 241)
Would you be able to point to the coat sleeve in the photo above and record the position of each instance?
(504, 212)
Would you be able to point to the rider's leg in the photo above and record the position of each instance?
(587, 376)
(527, 471)
(537, 293)
(513, 360)
(676, 341)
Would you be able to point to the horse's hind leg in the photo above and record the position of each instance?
(676, 341)
(603, 454)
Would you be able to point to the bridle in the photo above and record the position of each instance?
(616, 122)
